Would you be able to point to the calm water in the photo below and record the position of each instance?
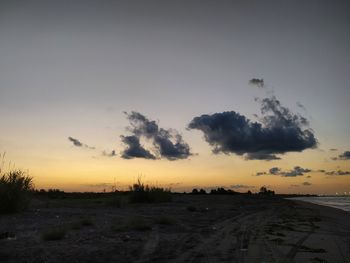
(340, 202)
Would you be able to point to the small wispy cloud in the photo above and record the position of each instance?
(301, 106)
(306, 184)
(344, 156)
(75, 142)
(257, 82)
(338, 172)
(109, 154)
(78, 143)
(296, 171)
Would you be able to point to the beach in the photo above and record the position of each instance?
(191, 228)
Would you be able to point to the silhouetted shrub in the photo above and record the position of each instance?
(222, 191)
(15, 189)
(200, 192)
(264, 191)
(141, 193)
(194, 191)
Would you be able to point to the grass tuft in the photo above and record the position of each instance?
(141, 193)
(15, 190)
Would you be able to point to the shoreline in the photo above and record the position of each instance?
(319, 202)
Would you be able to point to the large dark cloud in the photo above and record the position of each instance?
(278, 131)
(169, 143)
(296, 171)
(134, 148)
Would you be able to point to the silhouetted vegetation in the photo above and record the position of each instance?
(15, 190)
(266, 192)
(222, 191)
(141, 193)
(200, 192)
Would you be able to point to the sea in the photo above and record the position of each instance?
(340, 202)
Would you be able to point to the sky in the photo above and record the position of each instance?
(234, 94)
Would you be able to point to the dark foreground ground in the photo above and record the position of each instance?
(189, 229)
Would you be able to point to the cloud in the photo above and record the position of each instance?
(169, 143)
(78, 143)
(294, 185)
(134, 149)
(301, 105)
(261, 156)
(296, 171)
(306, 184)
(241, 186)
(275, 170)
(257, 82)
(339, 172)
(344, 156)
(109, 154)
(333, 149)
(279, 131)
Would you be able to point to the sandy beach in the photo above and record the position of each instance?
(203, 228)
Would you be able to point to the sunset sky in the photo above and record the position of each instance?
(234, 94)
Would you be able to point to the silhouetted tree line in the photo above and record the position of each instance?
(218, 191)
(222, 191)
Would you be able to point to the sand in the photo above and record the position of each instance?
(201, 228)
